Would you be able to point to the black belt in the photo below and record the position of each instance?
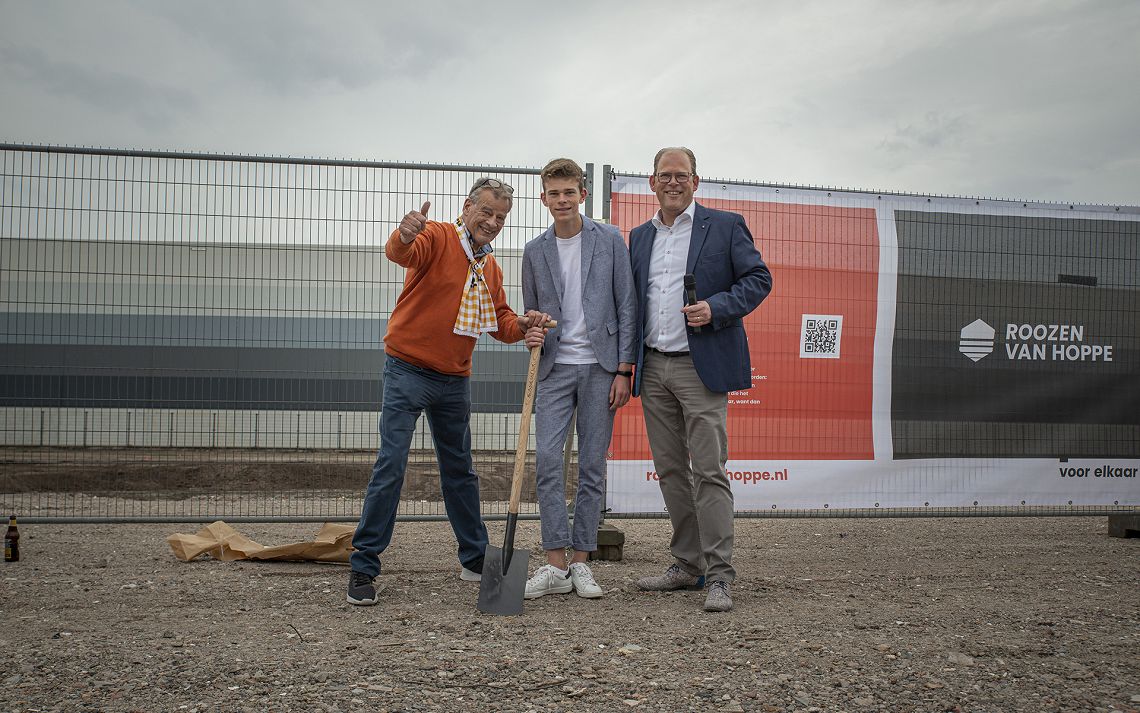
(670, 354)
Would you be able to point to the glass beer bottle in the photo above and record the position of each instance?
(12, 541)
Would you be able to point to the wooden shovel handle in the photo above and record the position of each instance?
(524, 426)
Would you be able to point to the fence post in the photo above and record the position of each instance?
(589, 190)
(607, 180)
(84, 429)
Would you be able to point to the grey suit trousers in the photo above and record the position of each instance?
(586, 387)
(687, 427)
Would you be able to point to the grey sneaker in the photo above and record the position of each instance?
(718, 598)
(673, 579)
(361, 591)
(469, 576)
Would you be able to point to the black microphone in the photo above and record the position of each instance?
(691, 297)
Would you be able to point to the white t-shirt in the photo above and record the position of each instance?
(574, 347)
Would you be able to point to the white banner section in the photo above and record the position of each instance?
(787, 485)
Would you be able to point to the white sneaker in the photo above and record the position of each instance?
(583, 580)
(468, 576)
(547, 580)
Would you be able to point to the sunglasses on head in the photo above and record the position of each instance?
(487, 182)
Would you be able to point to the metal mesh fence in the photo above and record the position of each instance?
(200, 336)
(189, 337)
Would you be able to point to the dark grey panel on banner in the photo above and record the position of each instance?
(1016, 337)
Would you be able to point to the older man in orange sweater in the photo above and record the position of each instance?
(453, 292)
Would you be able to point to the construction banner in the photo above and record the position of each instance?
(921, 352)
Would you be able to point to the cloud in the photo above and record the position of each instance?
(1029, 99)
(933, 132)
(133, 98)
(296, 48)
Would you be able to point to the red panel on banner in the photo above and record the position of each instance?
(824, 261)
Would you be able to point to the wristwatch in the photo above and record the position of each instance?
(624, 373)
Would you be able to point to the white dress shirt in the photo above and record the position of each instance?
(574, 343)
(664, 321)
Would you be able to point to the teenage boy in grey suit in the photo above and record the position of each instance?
(577, 272)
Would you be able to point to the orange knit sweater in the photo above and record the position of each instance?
(420, 330)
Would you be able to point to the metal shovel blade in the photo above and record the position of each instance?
(501, 592)
(502, 587)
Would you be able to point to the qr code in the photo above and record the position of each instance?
(820, 336)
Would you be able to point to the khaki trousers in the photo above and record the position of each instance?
(687, 427)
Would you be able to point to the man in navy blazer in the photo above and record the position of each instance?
(691, 356)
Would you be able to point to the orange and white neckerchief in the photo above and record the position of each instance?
(476, 308)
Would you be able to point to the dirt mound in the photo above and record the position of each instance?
(970, 614)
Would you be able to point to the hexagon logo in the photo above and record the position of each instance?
(977, 340)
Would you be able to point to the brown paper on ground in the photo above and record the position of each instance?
(332, 544)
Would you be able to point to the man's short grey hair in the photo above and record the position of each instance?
(499, 189)
(669, 149)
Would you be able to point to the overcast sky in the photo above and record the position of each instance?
(1035, 100)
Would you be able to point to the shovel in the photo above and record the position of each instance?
(503, 584)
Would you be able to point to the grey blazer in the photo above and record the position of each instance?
(608, 300)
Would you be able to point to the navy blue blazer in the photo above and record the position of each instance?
(730, 275)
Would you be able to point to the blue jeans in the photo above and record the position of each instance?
(408, 390)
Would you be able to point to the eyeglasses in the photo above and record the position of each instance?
(678, 177)
(494, 183)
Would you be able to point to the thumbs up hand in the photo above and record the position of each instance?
(414, 223)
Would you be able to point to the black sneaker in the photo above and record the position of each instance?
(361, 591)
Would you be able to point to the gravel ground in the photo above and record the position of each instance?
(971, 614)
